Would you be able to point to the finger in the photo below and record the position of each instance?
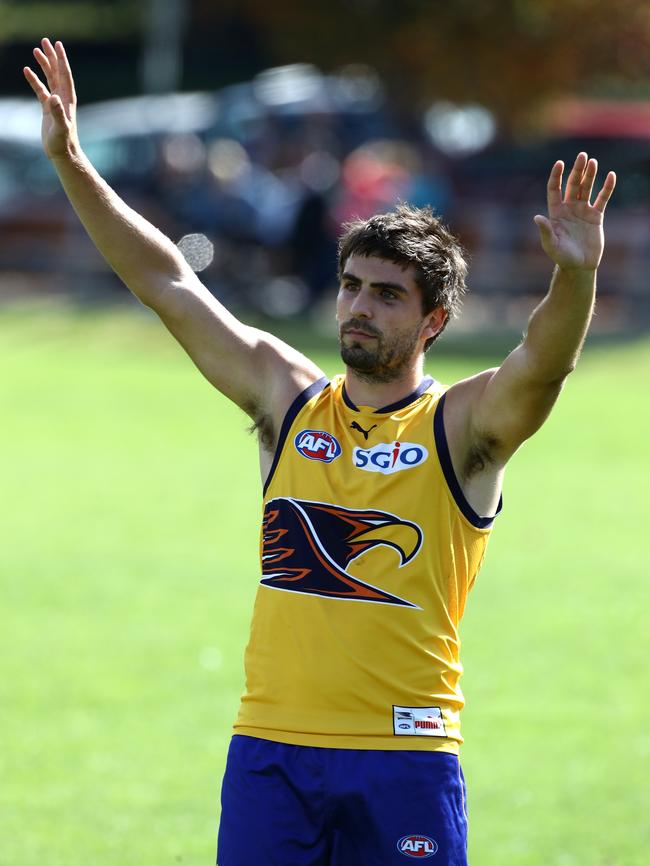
(48, 48)
(65, 71)
(42, 59)
(588, 179)
(37, 85)
(605, 193)
(53, 60)
(575, 177)
(45, 65)
(554, 186)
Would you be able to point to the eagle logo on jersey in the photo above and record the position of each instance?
(308, 546)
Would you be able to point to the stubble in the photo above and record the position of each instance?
(381, 360)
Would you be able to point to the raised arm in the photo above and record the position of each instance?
(491, 414)
(257, 371)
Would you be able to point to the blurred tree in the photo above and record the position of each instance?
(102, 37)
(162, 55)
(93, 20)
(510, 55)
(227, 42)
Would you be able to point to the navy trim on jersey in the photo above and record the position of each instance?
(450, 476)
(302, 398)
(347, 401)
(426, 383)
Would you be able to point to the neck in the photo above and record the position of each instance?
(378, 394)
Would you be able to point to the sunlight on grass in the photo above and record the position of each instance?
(129, 566)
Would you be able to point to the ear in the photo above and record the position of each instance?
(433, 323)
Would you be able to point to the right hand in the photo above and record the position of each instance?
(572, 234)
(59, 102)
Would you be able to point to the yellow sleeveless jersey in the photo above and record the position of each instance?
(368, 551)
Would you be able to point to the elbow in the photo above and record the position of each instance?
(557, 380)
(162, 292)
(550, 372)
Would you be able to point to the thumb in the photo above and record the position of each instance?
(56, 109)
(545, 230)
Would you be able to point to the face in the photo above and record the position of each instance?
(382, 331)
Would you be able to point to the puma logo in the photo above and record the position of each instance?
(358, 427)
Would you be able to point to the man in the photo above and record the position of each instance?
(380, 488)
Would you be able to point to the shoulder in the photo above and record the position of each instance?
(295, 381)
(462, 397)
(470, 449)
(273, 425)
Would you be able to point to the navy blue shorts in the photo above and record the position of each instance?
(302, 806)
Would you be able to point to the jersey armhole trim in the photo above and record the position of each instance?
(300, 401)
(455, 489)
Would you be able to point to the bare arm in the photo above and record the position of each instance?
(255, 370)
(514, 400)
(490, 415)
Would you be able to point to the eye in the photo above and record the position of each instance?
(347, 286)
(387, 295)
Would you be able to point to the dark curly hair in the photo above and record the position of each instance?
(412, 236)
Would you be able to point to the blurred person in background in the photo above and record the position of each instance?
(380, 490)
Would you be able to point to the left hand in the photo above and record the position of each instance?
(572, 234)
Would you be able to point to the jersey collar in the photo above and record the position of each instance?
(426, 383)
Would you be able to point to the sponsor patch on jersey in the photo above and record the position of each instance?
(317, 445)
(417, 845)
(389, 457)
(418, 722)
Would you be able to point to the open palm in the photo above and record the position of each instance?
(58, 99)
(572, 233)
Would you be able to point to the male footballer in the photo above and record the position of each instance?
(380, 488)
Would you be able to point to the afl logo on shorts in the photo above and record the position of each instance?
(317, 445)
(393, 457)
(417, 846)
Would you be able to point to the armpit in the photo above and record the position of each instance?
(480, 457)
(264, 428)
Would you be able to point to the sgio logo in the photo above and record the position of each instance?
(317, 445)
(417, 846)
(390, 458)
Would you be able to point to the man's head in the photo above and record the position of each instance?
(401, 275)
(412, 237)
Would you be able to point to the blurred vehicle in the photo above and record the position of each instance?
(248, 165)
(34, 217)
(20, 120)
(263, 173)
(32, 220)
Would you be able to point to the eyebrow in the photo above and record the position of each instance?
(396, 287)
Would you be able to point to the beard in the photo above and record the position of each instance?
(382, 360)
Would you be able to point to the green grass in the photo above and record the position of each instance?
(128, 570)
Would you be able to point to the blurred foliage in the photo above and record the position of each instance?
(511, 55)
(71, 19)
(507, 54)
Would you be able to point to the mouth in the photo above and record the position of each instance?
(353, 332)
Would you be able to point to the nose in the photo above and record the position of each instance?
(361, 306)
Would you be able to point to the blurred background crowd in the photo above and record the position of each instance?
(250, 134)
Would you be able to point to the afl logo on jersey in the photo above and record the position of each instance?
(317, 445)
(417, 846)
(389, 458)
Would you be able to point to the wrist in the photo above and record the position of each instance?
(70, 151)
(575, 277)
(576, 269)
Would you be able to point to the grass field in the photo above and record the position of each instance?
(128, 569)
